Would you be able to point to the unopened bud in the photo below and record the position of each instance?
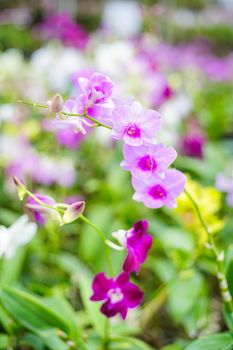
(56, 104)
(73, 212)
(20, 188)
(52, 215)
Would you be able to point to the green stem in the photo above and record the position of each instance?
(30, 194)
(32, 104)
(88, 117)
(102, 236)
(106, 335)
(219, 257)
(83, 218)
(67, 114)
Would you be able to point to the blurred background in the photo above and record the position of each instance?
(172, 56)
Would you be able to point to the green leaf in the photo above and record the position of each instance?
(229, 268)
(84, 277)
(223, 341)
(4, 341)
(228, 317)
(11, 268)
(128, 343)
(52, 341)
(177, 239)
(34, 341)
(184, 292)
(5, 320)
(57, 302)
(31, 312)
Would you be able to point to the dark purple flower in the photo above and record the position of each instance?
(137, 242)
(192, 145)
(118, 294)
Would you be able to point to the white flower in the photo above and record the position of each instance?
(122, 18)
(18, 234)
(121, 236)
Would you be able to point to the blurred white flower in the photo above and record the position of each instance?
(114, 58)
(173, 112)
(64, 62)
(18, 234)
(123, 18)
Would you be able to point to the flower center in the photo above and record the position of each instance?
(147, 163)
(133, 131)
(158, 192)
(115, 295)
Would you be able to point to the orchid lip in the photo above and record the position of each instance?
(147, 163)
(158, 192)
(115, 295)
(133, 130)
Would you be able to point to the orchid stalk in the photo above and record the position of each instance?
(218, 255)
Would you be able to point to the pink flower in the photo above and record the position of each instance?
(137, 242)
(135, 125)
(95, 95)
(69, 138)
(145, 161)
(38, 211)
(155, 192)
(118, 294)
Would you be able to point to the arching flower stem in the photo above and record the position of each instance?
(219, 257)
(98, 123)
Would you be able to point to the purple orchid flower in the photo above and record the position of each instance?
(137, 242)
(145, 161)
(135, 125)
(38, 211)
(95, 95)
(118, 294)
(155, 192)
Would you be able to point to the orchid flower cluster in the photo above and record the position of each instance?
(155, 185)
(94, 104)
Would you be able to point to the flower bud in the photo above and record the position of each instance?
(56, 104)
(20, 188)
(73, 212)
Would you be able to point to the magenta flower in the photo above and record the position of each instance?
(192, 145)
(155, 192)
(95, 95)
(137, 242)
(37, 210)
(61, 26)
(135, 125)
(118, 294)
(145, 161)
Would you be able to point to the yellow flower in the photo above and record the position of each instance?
(209, 201)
